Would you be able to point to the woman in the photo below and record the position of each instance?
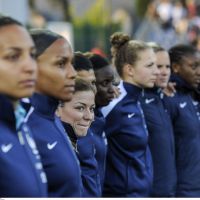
(104, 74)
(84, 68)
(128, 164)
(85, 145)
(79, 112)
(77, 116)
(184, 111)
(161, 136)
(56, 79)
(21, 171)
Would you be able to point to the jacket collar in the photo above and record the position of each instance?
(181, 84)
(70, 132)
(44, 104)
(132, 90)
(7, 110)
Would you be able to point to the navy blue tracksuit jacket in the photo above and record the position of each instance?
(184, 113)
(58, 158)
(161, 143)
(85, 151)
(128, 164)
(21, 171)
(99, 138)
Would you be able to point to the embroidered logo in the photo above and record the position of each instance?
(6, 148)
(147, 101)
(195, 103)
(131, 115)
(51, 146)
(182, 105)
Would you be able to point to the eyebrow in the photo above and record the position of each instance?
(20, 48)
(150, 64)
(84, 103)
(63, 57)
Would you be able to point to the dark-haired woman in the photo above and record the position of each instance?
(105, 93)
(56, 79)
(21, 171)
(128, 164)
(184, 111)
(84, 68)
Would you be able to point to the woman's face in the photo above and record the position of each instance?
(104, 83)
(145, 71)
(89, 76)
(56, 75)
(163, 64)
(18, 69)
(189, 69)
(79, 112)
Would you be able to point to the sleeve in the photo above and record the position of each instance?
(89, 167)
(170, 107)
(112, 125)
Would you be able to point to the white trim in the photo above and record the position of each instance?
(28, 114)
(25, 100)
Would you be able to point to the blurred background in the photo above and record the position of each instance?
(88, 24)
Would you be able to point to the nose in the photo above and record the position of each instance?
(71, 72)
(111, 88)
(29, 65)
(165, 70)
(198, 70)
(156, 70)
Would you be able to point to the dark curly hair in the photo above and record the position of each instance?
(176, 53)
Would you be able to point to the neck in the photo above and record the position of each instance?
(14, 102)
(132, 82)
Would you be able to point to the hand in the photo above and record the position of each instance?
(170, 90)
(116, 91)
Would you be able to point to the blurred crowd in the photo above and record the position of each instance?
(170, 22)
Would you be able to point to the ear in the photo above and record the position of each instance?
(128, 70)
(176, 68)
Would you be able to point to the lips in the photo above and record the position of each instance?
(110, 97)
(154, 79)
(70, 87)
(84, 125)
(28, 83)
(163, 80)
(198, 81)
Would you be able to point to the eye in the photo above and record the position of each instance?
(33, 55)
(195, 65)
(79, 108)
(105, 83)
(92, 109)
(61, 64)
(93, 82)
(13, 57)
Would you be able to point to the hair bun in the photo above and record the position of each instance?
(118, 39)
